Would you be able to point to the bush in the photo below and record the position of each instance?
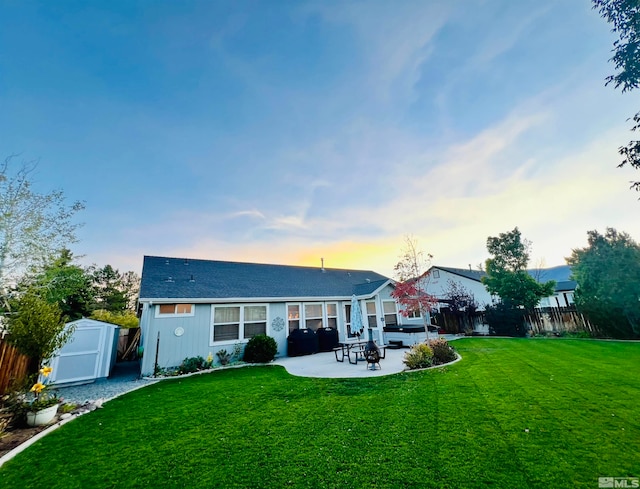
(260, 349)
(419, 356)
(190, 365)
(505, 320)
(443, 352)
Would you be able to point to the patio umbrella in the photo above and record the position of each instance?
(356, 326)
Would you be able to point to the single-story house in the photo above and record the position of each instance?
(195, 307)
(437, 280)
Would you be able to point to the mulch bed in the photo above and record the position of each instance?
(15, 437)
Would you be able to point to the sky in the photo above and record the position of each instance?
(290, 131)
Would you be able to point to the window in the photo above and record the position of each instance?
(371, 314)
(390, 315)
(414, 314)
(233, 323)
(436, 273)
(332, 315)
(226, 323)
(255, 321)
(293, 315)
(167, 310)
(313, 316)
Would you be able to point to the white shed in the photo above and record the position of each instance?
(90, 353)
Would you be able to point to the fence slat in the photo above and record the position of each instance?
(13, 365)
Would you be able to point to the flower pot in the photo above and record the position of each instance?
(42, 417)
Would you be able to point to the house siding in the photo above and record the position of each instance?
(195, 339)
(173, 349)
(437, 286)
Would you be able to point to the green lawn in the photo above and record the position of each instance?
(461, 426)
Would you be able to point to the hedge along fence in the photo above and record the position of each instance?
(13, 365)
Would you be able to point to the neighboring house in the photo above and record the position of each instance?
(196, 307)
(565, 288)
(437, 280)
(437, 283)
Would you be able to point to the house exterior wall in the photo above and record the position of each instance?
(184, 336)
(173, 347)
(559, 299)
(436, 284)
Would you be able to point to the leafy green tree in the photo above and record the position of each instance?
(115, 291)
(109, 291)
(33, 226)
(126, 319)
(69, 285)
(624, 16)
(37, 328)
(507, 278)
(507, 275)
(608, 275)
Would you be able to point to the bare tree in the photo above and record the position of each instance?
(33, 226)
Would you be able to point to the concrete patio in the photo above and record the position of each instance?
(325, 364)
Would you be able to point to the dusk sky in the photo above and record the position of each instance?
(286, 131)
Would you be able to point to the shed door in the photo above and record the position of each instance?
(79, 359)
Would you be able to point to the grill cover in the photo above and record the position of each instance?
(302, 342)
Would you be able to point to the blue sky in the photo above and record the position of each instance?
(287, 131)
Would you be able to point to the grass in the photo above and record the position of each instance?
(514, 413)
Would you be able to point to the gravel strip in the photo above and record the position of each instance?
(122, 380)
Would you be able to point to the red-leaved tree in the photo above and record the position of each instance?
(413, 277)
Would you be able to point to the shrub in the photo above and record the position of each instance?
(419, 356)
(223, 356)
(443, 352)
(505, 320)
(190, 365)
(260, 349)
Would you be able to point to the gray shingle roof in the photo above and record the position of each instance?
(561, 274)
(182, 278)
(464, 272)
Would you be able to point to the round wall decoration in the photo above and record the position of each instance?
(277, 324)
(179, 331)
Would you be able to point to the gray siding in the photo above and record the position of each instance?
(173, 349)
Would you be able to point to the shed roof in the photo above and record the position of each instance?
(186, 278)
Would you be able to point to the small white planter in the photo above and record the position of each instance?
(42, 417)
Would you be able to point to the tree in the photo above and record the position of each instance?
(37, 329)
(411, 289)
(507, 277)
(608, 275)
(115, 291)
(33, 226)
(64, 283)
(624, 15)
(126, 319)
(461, 306)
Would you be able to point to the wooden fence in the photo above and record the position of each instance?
(13, 365)
(546, 320)
(559, 320)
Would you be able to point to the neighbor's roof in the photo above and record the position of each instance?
(561, 274)
(185, 278)
(464, 272)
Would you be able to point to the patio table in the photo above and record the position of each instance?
(346, 348)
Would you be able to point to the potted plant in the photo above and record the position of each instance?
(42, 409)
